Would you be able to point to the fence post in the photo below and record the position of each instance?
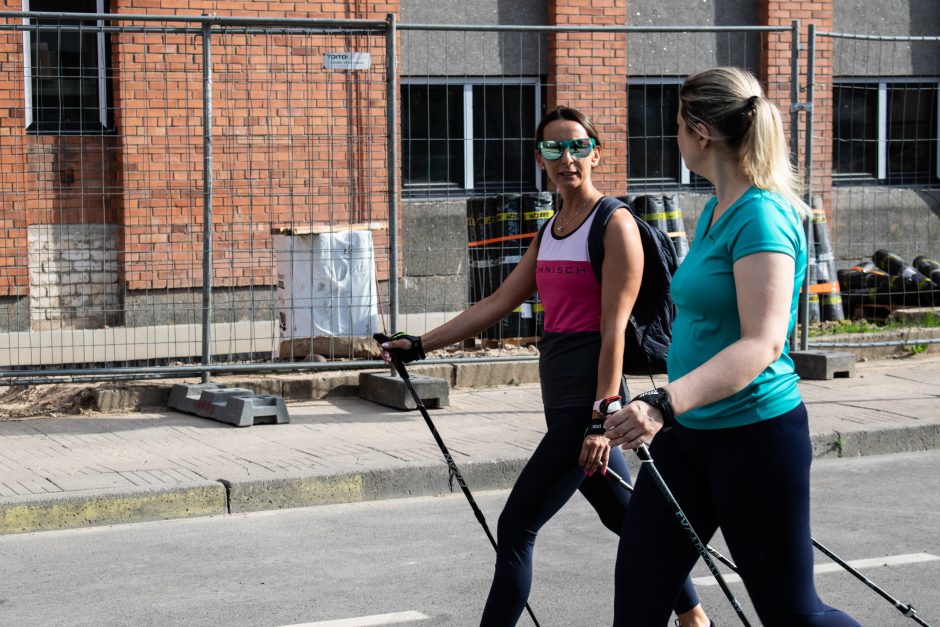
(391, 94)
(795, 155)
(206, 198)
(810, 88)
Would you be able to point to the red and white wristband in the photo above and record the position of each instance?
(602, 409)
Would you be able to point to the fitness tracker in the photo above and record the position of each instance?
(602, 408)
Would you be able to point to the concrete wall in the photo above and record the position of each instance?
(865, 219)
(14, 313)
(886, 17)
(670, 54)
(434, 256)
(175, 307)
(437, 53)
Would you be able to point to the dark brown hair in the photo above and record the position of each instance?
(573, 115)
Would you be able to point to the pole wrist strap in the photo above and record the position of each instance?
(659, 398)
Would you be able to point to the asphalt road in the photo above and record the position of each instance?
(427, 562)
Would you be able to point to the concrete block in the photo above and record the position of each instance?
(237, 406)
(183, 397)
(390, 390)
(823, 364)
(245, 411)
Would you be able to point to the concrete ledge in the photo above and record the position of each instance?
(72, 511)
(910, 336)
(468, 375)
(131, 397)
(284, 493)
(404, 482)
(879, 442)
(321, 385)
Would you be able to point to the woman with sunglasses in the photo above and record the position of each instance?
(579, 366)
(737, 454)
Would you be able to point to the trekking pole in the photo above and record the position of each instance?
(717, 554)
(907, 610)
(644, 454)
(453, 471)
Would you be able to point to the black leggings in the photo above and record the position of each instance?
(546, 483)
(751, 481)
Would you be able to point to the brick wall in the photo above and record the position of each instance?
(588, 71)
(293, 146)
(776, 69)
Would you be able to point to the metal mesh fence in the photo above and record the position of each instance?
(187, 194)
(471, 99)
(161, 174)
(883, 134)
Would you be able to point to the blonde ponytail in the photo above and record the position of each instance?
(730, 103)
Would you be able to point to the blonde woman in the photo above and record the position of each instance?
(736, 452)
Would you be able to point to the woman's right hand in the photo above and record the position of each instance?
(595, 453)
(408, 346)
(634, 425)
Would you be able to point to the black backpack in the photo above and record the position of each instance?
(650, 330)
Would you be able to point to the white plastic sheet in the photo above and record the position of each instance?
(326, 284)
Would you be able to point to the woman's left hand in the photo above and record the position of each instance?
(595, 453)
(633, 425)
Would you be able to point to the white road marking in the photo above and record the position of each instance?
(832, 567)
(366, 621)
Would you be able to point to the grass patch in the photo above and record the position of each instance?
(931, 320)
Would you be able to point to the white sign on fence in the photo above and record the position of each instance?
(347, 60)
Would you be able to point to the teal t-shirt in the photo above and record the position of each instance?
(707, 320)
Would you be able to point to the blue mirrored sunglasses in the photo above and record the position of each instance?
(578, 148)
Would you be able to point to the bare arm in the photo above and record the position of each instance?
(764, 288)
(519, 285)
(622, 274)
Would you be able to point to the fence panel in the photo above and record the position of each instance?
(881, 205)
(471, 97)
(111, 176)
(116, 195)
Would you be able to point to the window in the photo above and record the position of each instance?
(653, 159)
(885, 131)
(66, 77)
(469, 137)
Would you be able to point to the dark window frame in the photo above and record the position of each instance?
(67, 110)
(463, 159)
(883, 154)
(642, 134)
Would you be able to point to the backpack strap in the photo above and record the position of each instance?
(606, 208)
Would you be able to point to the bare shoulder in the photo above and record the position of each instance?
(622, 224)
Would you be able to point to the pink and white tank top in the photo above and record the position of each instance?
(570, 293)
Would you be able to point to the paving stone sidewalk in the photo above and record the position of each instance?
(113, 468)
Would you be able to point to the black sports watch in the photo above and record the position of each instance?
(659, 398)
